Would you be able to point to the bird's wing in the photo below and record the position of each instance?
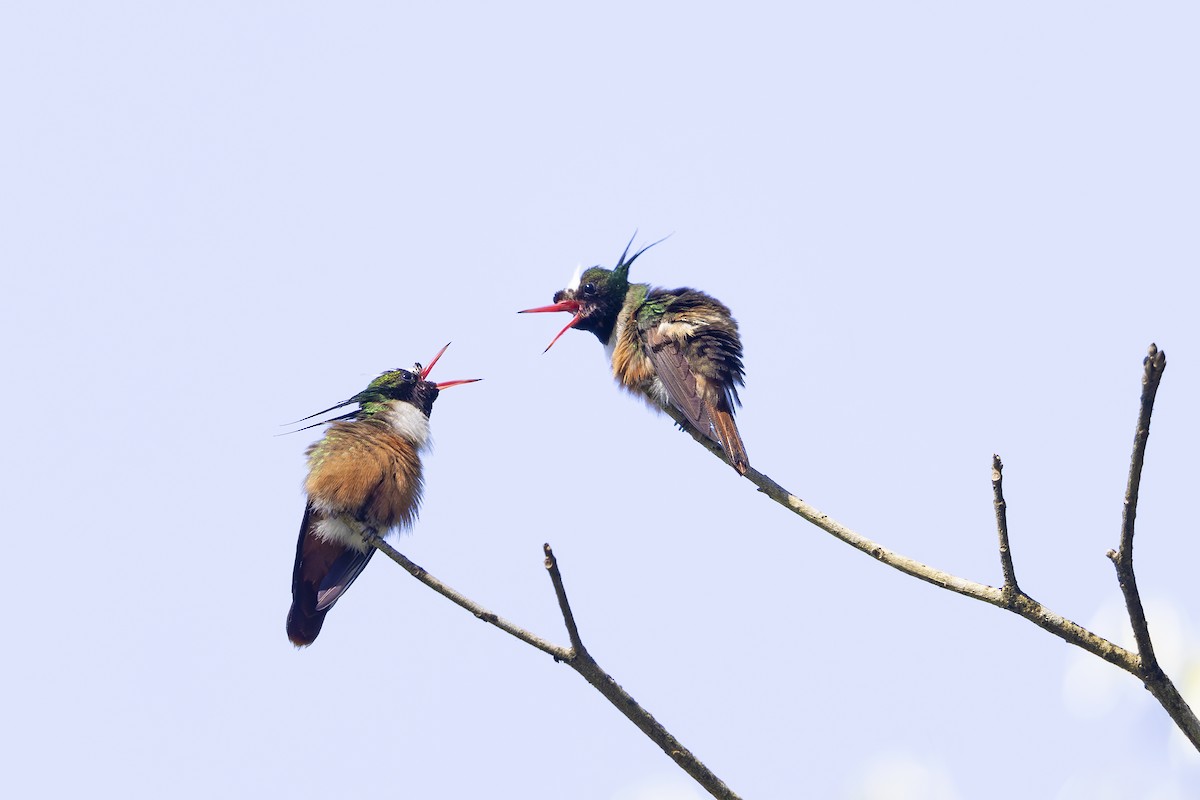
(324, 570)
(671, 366)
(342, 572)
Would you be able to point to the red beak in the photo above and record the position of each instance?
(565, 305)
(447, 384)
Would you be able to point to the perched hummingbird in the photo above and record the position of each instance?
(677, 347)
(364, 473)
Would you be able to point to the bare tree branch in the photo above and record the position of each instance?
(560, 592)
(1151, 674)
(1006, 563)
(418, 572)
(1011, 597)
(583, 663)
(576, 657)
(1122, 559)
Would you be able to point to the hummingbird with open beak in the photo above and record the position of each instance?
(365, 472)
(677, 347)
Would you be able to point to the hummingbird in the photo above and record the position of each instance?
(677, 347)
(365, 472)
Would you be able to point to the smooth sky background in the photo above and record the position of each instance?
(946, 229)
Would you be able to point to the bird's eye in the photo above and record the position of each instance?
(407, 376)
(588, 289)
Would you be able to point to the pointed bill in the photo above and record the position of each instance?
(444, 384)
(448, 384)
(425, 372)
(565, 305)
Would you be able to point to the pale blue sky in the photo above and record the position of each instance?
(946, 230)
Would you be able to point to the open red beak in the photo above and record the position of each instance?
(446, 384)
(565, 305)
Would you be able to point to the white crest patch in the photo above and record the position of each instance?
(409, 423)
(574, 283)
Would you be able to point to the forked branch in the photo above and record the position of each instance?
(576, 657)
(583, 663)
(1142, 664)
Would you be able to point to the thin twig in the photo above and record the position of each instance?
(1153, 366)
(576, 657)
(1011, 589)
(1146, 666)
(593, 673)
(1151, 674)
(560, 592)
(418, 572)
(909, 566)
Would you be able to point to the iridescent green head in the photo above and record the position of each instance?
(408, 386)
(595, 297)
(395, 385)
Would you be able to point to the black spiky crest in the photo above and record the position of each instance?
(621, 270)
